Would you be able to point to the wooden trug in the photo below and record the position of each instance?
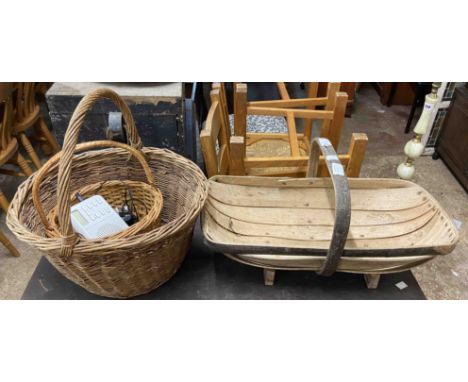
(283, 223)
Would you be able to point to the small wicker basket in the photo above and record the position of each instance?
(147, 198)
(112, 267)
(147, 202)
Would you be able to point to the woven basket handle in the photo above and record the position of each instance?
(342, 201)
(65, 161)
(44, 170)
(86, 103)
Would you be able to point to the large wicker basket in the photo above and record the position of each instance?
(112, 267)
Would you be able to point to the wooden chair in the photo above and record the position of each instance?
(9, 152)
(216, 134)
(274, 154)
(46, 147)
(229, 155)
(283, 90)
(27, 116)
(42, 88)
(312, 89)
(286, 154)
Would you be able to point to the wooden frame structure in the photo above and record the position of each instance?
(312, 89)
(9, 153)
(217, 132)
(226, 154)
(28, 116)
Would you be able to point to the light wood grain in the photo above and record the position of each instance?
(240, 110)
(293, 141)
(299, 102)
(282, 112)
(208, 137)
(283, 91)
(219, 96)
(223, 160)
(312, 90)
(276, 154)
(317, 232)
(238, 153)
(357, 151)
(336, 124)
(387, 215)
(332, 89)
(318, 217)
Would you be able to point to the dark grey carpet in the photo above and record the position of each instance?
(208, 275)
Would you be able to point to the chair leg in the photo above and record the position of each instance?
(4, 204)
(269, 276)
(23, 164)
(50, 138)
(29, 149)
(8, 244)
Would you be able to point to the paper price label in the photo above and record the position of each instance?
(337, 169)
(324, 142)
(428, 106)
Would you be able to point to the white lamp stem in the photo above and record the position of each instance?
(414, 148)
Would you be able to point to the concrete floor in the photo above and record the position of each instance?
(446, 277)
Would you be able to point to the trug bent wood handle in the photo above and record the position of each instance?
(342, 200)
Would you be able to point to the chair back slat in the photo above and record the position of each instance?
(213, 142)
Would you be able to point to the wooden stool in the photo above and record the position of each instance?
(28, 115)
(8, 152)
(273, 154)
(9, 145)
(48, 148)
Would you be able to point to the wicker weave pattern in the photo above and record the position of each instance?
(147, 199)
(148, 196)
(117, 267)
